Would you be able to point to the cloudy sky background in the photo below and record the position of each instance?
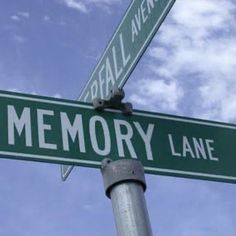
(51, 47)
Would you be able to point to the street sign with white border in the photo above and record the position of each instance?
(60, 131)
(130, 40)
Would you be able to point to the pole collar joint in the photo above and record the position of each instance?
(120, 171)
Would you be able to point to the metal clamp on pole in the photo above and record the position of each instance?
(115, 102)
(125, 184)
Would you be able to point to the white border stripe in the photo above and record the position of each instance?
(143, 114)
(199, 174)
(36, 99)
(98, 163)
(48, 158)
(193, 121)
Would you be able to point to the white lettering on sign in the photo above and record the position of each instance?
(19, 123)
(199, 148)
(210, 150)
(124, 138)
(193, 147)
(130, 40)
(109, 71)
(94, 88)
(94, 136)
(118, 71)
(172, 147)
(109, 76)
(73, 130)
(146, 138)
(42, 127)
(101, 83)
(141, 17)
(125, 58)
(187, 148)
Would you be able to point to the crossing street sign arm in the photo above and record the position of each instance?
(130, 40)
(65, 171)
(127, 45)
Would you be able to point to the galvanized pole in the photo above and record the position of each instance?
(125, 184)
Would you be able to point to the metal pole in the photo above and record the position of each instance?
(124, 183)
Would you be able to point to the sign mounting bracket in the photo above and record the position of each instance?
(115, 102)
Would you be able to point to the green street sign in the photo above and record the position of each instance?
(136, 30)
(67, 132)
(130, 40)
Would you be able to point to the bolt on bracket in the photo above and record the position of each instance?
(115, 102)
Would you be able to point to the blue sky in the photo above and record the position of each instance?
(51, 47)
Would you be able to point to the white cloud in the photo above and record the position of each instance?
(17, 90)
(219, 98)
(19, 39)
(85, 6)
(15, 18)
(24, 14)
(77, 5)
(156, 93)
(46, 18)
(202, 16)
(20, 15)
(196, 46)
(57, 95)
